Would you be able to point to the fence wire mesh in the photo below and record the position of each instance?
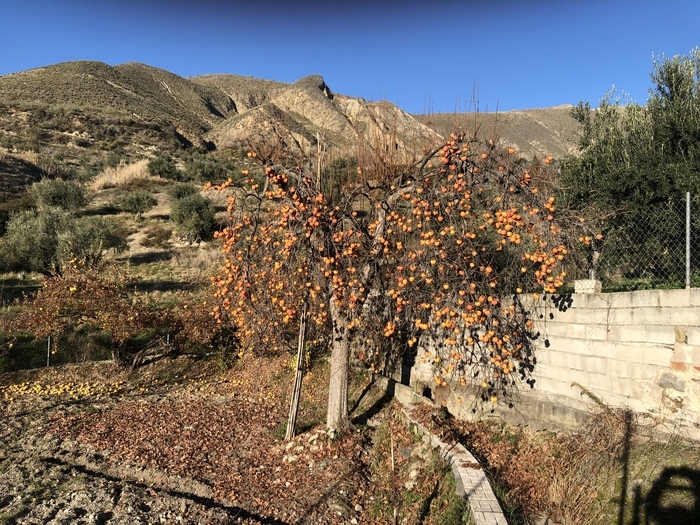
(657, 247)
(24, 352)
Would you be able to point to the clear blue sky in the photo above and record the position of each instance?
(434, 56)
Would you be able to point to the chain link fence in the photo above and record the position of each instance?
(24, 352)
(657, 247)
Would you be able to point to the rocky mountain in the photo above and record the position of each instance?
(138, 90)
(216, 111)
(69, 116)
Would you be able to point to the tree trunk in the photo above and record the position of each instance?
(338, 417)
(294, 405)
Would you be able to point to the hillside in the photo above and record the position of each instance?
(144, 92)
(540, 132)
(225, 110)
(83, 110)
(76, 119)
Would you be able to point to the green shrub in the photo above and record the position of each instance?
(43, 241)
(115, 157)
(180, 191)
(163, 167)
(31, 240)
(26, 202)
(59, 193)
(206, 167)
(87, 238)
(137, 202)
(194, 217)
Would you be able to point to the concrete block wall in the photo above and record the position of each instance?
(635, 349)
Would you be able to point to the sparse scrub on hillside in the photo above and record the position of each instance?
(43, 241)
(59, 193)
(116, 156)
(203, 167)
(194, 217)
(53, 165)
(81, 142)
(198, 259)
(137, 202)
(156, 236)
(163, 167)
(180, 191)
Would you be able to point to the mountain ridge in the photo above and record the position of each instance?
(198, 105)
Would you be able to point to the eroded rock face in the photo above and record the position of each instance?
(299, 115)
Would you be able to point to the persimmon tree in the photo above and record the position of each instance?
(405, 251)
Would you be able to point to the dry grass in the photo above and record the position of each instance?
(201, 259)
(122, 175)
(616, 468)
(27, 155)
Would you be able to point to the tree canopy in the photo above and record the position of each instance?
(402, 250)
(637, 162)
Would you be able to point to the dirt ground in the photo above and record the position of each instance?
(180, 442)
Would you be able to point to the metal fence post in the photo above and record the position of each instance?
(687, 239)
(48, 351)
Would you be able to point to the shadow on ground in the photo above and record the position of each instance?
(164, 285)
(674, 499)
(149, 257)
(377, 406)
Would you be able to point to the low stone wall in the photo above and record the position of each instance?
(470, 479)
(635, 349)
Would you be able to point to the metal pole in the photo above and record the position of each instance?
(687, 239)
(48, 351)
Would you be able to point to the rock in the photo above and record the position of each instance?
(358, 508)
(339, 506)
(671, 381)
